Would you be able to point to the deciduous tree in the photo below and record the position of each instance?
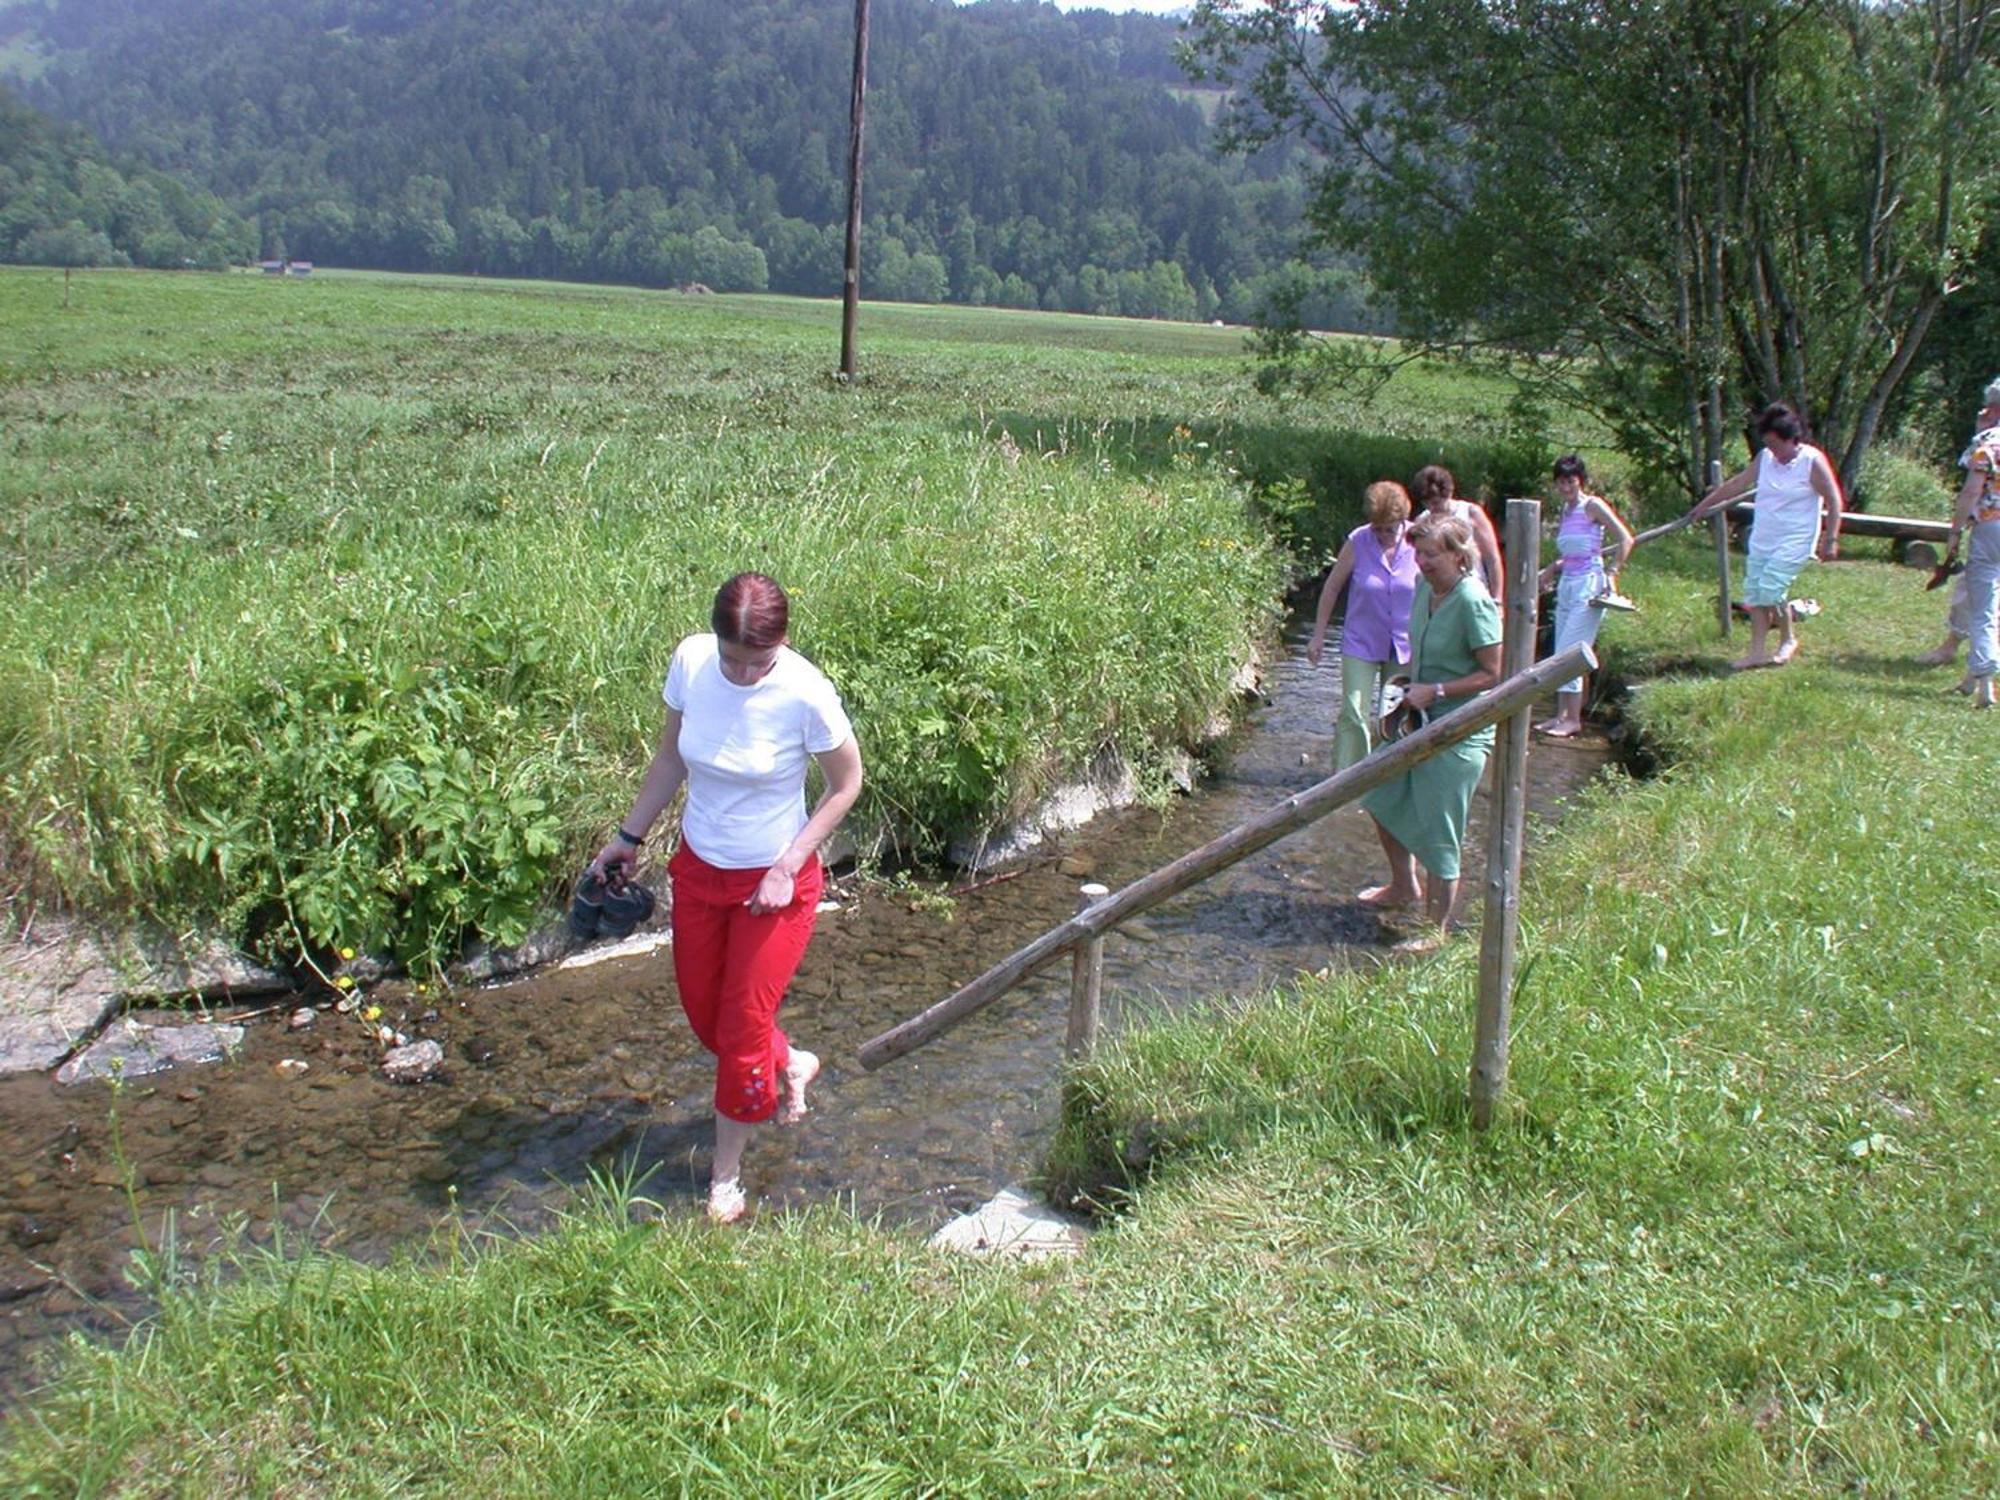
(1676, 210)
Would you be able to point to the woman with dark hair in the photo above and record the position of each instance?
(1378, 569)
(1792, 483)
(1435, 490)
(1580, 579)
(745, 716)
(1420, 817)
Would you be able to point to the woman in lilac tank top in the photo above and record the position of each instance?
(1580, 579)
(1378, 569)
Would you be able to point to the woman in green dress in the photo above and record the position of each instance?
(1454, 654)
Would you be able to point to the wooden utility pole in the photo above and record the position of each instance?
(850, 291)
(1501, 924)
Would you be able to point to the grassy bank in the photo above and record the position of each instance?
(339, 610)
(1734, 1236)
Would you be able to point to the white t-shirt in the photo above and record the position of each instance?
(1786, 523)
(746, 751)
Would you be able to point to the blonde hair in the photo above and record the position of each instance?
(1450, 533)
(1385, 500)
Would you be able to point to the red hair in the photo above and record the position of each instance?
(751, 610)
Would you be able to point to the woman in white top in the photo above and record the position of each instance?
(1435, 490)
(745, 715)
(1792, 481)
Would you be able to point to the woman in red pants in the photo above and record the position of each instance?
(745, 714)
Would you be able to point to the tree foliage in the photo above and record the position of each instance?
(1015, 154)
(1676, 210)
(63, 203)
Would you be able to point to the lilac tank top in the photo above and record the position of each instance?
(1379, 593)
(1579, 540)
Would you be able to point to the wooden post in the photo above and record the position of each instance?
(850, 289)
(65, 288)
(1501, 924)
(1086, 981)
(1724, 613)
(1294, 813)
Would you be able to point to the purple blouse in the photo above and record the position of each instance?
(1379, 591)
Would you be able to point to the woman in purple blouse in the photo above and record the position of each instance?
(1378, 569)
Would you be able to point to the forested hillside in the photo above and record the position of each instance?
(63, 203)
(1015, 155)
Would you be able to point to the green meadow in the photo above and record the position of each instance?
(340, 607)
(1733, 1235)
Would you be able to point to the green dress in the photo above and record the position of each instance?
(1426, 807)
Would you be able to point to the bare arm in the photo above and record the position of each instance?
(842, 769)
(1485, 674)
(1828, 484)
(1969, 495)
(1735, 487)
(1488, 542)
(1611, 521)
(664, 775)
(1343, 569)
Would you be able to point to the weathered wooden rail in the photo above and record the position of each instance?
(1508, 704)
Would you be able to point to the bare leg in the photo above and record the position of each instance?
(1760, 626)
(1402, 889)
(1442, 906)
(726, 1200)
(1944, 653)
(1569, 716)
(800, 1071)
(1788, 643)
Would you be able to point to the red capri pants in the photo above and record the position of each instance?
(732, 967)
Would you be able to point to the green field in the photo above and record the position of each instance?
(1732, 1236)
(341, 605)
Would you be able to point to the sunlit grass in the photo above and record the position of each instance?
(1732, 1235)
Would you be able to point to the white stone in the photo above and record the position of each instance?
(1016, 1224)
(414, 1063)
(638, 945)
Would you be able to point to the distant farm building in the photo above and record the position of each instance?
(285, 267)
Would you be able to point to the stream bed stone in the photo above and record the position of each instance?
(130, 1048)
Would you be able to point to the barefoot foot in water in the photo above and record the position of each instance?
(1388, 898)
(800, 1071)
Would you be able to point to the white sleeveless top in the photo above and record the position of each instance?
(1787, 520)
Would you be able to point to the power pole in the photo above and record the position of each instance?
(850, 292)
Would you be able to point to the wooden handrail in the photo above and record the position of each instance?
(1294, 813)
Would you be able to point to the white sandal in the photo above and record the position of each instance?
(726, 1201)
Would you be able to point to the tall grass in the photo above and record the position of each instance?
(341, 610)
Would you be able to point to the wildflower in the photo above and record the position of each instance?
(347, 954)
(344, 982)
(372, 1013)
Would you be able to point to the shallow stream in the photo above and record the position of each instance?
(550, 1075)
